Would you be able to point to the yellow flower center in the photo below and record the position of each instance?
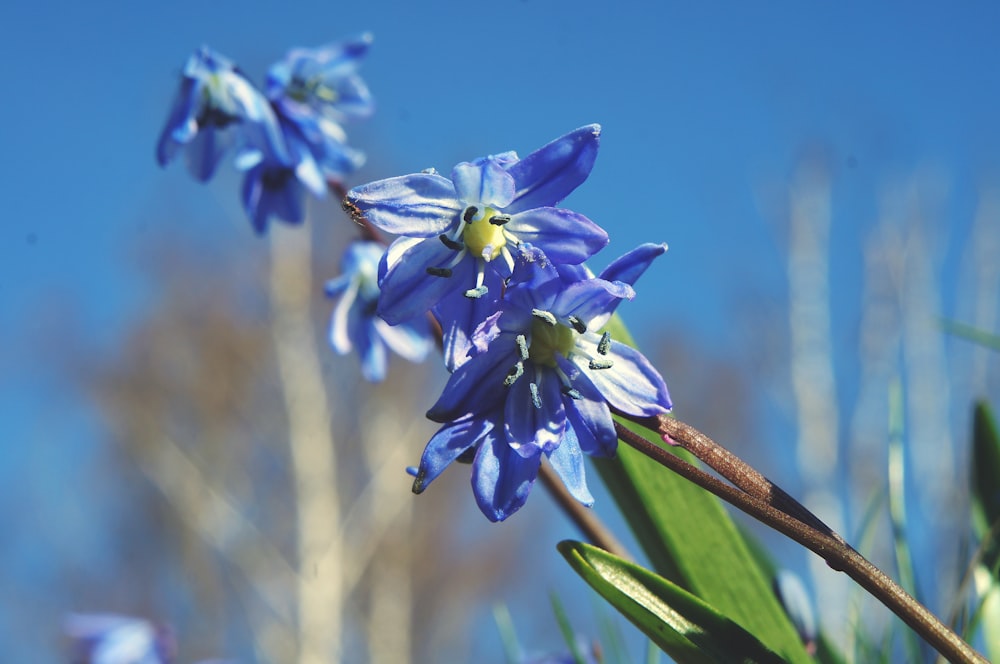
(480, 233)
(547, 340)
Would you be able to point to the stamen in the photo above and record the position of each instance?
(515, 372)
(577, 324)
(536, 400)
(545, 316)
(499, 219)
(601, 364)
(439, 272)
(571, 392)
(511, 238)
(448, 242)
(480, 289)
(604, 344)
(507, 257)
(457, 258)
(522, 346)
(469, 213)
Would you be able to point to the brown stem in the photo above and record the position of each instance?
(768, 507)
(592, 528)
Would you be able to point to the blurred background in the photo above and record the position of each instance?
(180, 443)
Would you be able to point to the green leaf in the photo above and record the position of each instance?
(985, 474)
(986, 519)
(975, 335)
(988, 612)
(690, 539)
(685, 627)
(566, 629)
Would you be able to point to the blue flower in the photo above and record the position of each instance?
(322, 83)
(457, 234)
(354, 324)
(216, 108)
(542, 381)
(311, 90)
(113, 639)
(279, 174)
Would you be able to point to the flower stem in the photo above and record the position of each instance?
(592, 527)
(760, 498)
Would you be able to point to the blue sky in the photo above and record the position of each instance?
(702, 104)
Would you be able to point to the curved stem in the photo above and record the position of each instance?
(592, 527)
(767, 503)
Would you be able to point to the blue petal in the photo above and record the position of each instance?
(370, 347)
(272, 191)
(409, 291)
(531, 428)
(631, 385)
(483, 181)
(340, 336)
(448, 444)
(502, 478)
(567, 461)
(629, 268)
(337, 285)
(205, 151)
(476, 386)
(181, 124)
(418, 205)
(460, 317)
(589, 417)
(411, 341)
(564, 236)
(592, 300)
(549, 174)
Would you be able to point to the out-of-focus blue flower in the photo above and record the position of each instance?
(589, 654)
(216, 108)
(322, 82)
(354, 324)
(278, 176)
(311, 90)
(457, 234)
(542, 380)
(113, 639)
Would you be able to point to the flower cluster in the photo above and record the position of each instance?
(535, 374)
(287, 140)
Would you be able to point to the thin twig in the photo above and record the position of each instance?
(592, 527)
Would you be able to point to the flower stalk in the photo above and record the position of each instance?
(757, 496)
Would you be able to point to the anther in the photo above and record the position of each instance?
(545, 316)
(571, 392)
(499, 219)
(522, 346)
(469, 213)
(439, 272)
(515, 372)
(448, 242)
(477, 292)
(536, 400)
(604, 344)
(601, 364)
(577, 324)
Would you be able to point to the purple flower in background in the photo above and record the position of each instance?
(542, 380)
(354, 325)
(458, 233)
(322, 83)
(216, 108)
(113, 639)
